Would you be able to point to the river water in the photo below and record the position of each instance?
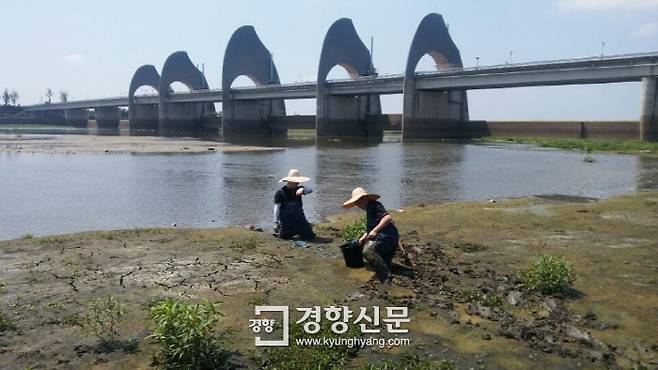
(43, 194)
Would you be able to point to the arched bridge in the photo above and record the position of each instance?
(435, 104)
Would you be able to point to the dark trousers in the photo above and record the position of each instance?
(378, 255)
(293, 222)
(303, 229)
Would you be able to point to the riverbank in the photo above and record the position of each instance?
(462, 251)
(588, 145)
(90, 144)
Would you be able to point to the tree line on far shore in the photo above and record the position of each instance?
(10, 97)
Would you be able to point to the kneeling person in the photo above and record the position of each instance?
(289, 215)
(381, 238)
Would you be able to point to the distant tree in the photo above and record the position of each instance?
(14, 97)
(64, 96)
(49, 95)
(6, 96)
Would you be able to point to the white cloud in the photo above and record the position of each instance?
(607, 4)
(75, 57)
(647, 30)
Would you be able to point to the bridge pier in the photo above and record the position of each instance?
(649, 110)
(143, 119)
(252, 117)
(107, 118)
(246, 55)
(76, 117)
(347, 117)
(433, 114)
(181, 119)
(185, 119)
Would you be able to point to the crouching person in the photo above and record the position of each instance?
(289, 218)
(381, 238)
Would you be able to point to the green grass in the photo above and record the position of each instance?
(468, 247)
(599, 145)
(310, 357)
(468, 295)
(410, 363)
(29, 126)
(4, 324)
(247, 243)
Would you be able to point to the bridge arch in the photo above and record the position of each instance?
(179, 68)
(246, 55)
(181, 118)
(345, 116)
(143, 117)
(432, 38)
(343, 46)
(145, 75)
(427, 114)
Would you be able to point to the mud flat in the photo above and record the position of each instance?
(463, 251)
(89, 144)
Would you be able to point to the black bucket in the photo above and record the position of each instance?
(353, 254)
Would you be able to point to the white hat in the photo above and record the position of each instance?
(294, 176)
(357, 194)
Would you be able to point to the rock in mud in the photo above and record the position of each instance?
(578, 335)
(590, 320)
(453, 317)
(514, 297)
(549, 305)
(480, 310)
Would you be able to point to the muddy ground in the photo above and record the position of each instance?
(462, 292)
(86, 144)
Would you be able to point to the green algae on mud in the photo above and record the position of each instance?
(597, 145)
(48, 282)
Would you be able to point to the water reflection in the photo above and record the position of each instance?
(646, 173)
(50, 194)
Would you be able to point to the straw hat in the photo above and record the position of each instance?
(357, 194)
(294, 176)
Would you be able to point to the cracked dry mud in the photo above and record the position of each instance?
(462, 292)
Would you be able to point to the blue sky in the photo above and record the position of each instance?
(92, 48)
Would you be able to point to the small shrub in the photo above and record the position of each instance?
(475, 296)
(104, 317)
(354, 230)
(549, 275)
(187, 335)
(27, 237)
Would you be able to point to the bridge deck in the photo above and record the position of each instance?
(593, 70)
